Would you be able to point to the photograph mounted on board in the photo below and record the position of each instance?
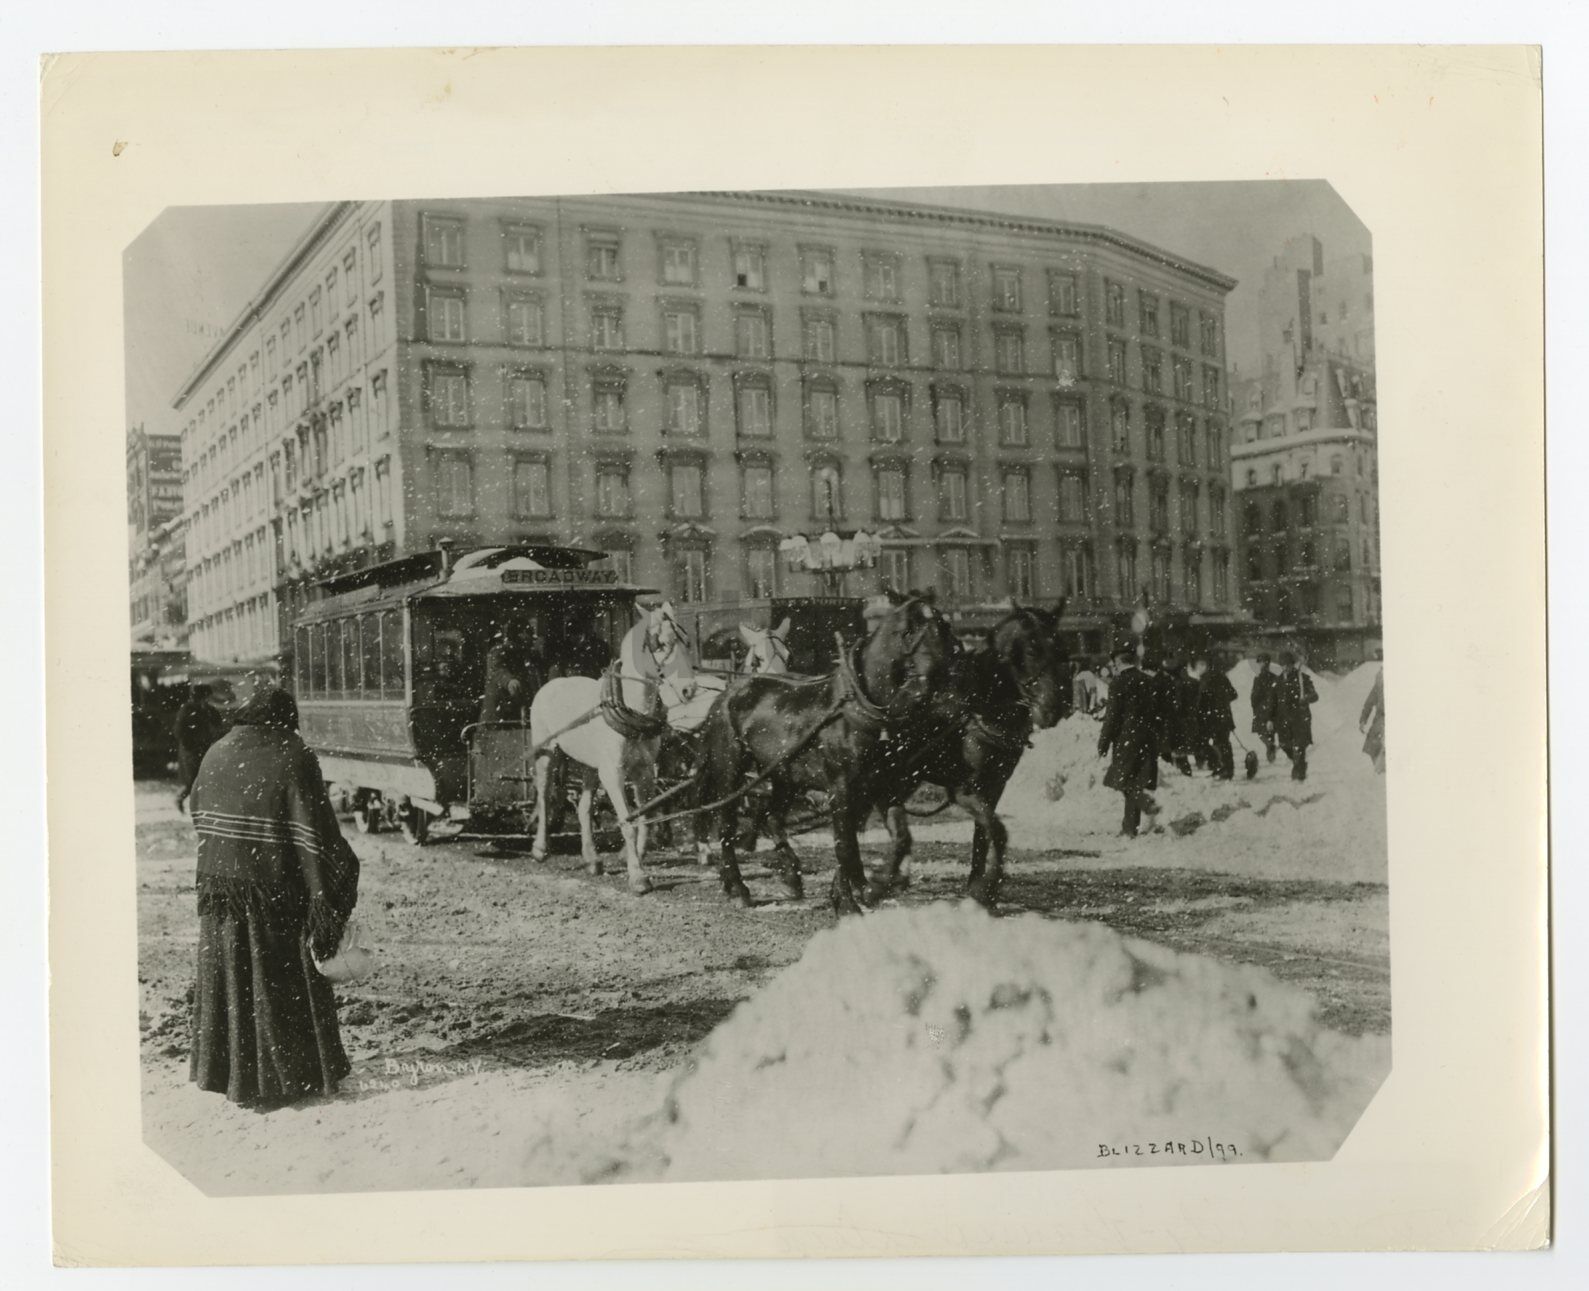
(756, 685)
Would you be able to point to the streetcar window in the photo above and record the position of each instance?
(317, 660)
(370, 640)
(350, 657)
(300, 661)
(392, 654)
(333, 650)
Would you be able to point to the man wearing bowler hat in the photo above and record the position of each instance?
(1215, 695)
(1133, 726)
(1263, 685)
(1292, 714)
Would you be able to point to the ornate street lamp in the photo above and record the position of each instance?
(832, 554)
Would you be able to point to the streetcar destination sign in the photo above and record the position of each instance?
(562, 577)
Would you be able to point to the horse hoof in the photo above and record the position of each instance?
(793, 885)
(980, 893)
(876, 890)
(595, 869)
(536, 856)
(740, 896)
(639, 887)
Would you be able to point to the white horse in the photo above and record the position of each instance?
(653, 663)
(766, 651)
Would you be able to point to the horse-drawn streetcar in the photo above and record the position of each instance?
(394, 668)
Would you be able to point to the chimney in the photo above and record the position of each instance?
(444, 545)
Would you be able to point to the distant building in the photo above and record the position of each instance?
(1305, 465)
(159, 588)
(1015, 406)
(154, 506)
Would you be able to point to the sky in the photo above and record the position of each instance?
(191, 272)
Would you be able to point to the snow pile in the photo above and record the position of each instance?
(1332, 826)
(937, 1039)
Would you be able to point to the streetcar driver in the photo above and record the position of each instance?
(514, 672)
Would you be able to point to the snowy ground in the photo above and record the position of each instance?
(521, 1005)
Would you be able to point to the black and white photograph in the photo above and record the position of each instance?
(726, 685)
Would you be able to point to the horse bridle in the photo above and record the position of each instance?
(1026, 686)
(779, 650)
(660, 654)
(913, 643)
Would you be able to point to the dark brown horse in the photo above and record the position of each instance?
(847, 735)
(985, 716)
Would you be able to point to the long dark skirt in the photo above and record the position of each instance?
(264, 1019)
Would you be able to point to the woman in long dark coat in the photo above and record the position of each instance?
(276, 884)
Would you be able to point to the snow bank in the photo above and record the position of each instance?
(1332, 826)
(937, 1039)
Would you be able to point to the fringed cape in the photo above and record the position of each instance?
(276, 883)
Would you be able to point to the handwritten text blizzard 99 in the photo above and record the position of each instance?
(1206, 1148)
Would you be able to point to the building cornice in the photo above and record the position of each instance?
(871, 208)
(1301, 439)
(302, 249)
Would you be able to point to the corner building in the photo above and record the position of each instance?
(1017, 407)
(1305, 460)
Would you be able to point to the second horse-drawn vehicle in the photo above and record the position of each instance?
(392, 664)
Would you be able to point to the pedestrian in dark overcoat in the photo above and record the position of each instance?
(1372, 722)
(1292, 715)
(198, 726)
(1215, 695)
(1180, 692)
(1133, 729)
(276, 884)
(1263, 685)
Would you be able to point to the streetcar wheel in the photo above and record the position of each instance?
(415, 825)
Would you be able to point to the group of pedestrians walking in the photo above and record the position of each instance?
(1282, 712)
(1178, 710)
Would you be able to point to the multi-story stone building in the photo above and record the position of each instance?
(1016, 407)
(154, 503)
(1305, 465)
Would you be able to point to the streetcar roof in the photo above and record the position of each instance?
(527, 571)
(426, 566)
(521, 570)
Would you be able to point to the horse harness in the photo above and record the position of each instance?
(867, 716)
(627, 722)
